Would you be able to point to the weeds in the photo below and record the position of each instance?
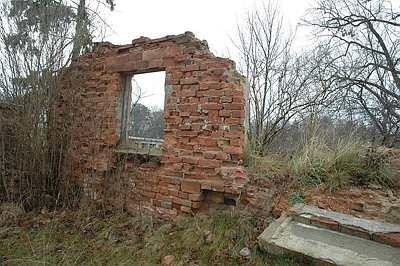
(296, 197)
(120, 239)
(349, 162)
(266, 166)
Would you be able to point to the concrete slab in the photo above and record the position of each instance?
(324, 245)
(369, 229)
(371, 226)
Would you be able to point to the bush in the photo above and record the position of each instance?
(349, 162)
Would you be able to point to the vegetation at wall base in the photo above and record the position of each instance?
(76, 238)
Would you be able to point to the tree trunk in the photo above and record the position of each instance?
(80, 30)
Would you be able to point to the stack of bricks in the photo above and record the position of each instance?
(204, 122)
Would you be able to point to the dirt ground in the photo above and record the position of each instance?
(370, 203)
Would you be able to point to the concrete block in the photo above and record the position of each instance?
(325, 246)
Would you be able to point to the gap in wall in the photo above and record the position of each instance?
(146, 118)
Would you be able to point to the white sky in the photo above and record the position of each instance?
(148, 89)
(213, 20)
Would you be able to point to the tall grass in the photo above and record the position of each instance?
(347, 162)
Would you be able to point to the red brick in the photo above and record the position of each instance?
(209, 155)
(213, 117)
(192, 67)
(233, 135)
(222, 156)
(188, 93)
(171, 159)
(238, 113)
(158, 53)
(196, 205)
(183, 202)
(232, 121)
(185, 133)
(392, 239)
(210, 93)
(238, 100)
(189, 81)
(173, 192)
(226, 99)
(188, 107)
(233, 150)
(186, 209)
(196, 197)
(190, 159)
(207, 141)
(233, 106)
(236, 142)
(225, 113)
(183, 195)
(190, 186)
(211, 106)
(209, 163)
(325, 223)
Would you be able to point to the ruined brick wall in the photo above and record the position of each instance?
(204, 124)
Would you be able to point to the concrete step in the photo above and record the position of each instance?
(324, 239)
(369, 229)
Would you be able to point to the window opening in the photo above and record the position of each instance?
(143, 112)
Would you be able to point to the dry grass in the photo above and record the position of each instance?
(267, 166)
(119, 239)
(349, 162)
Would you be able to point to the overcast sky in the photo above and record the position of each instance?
(213, 20)
(148, 89)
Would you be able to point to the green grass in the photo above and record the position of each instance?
(135, 240)
(296, 197)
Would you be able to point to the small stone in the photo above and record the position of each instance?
(44, 211)
(167, 260)
(394, 214)
(245, 252)
(114, 237)
(357, 206)
(208, 237)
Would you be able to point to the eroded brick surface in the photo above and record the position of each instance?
(204, 123)
(392, 239)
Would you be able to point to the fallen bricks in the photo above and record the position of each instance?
(332, 238)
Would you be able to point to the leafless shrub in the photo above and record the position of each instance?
(37, 41)
(282, 84)
(361, 37)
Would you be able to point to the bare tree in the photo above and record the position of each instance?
(36, 43)
(363, 38)
(87, 20)
(281, 83)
